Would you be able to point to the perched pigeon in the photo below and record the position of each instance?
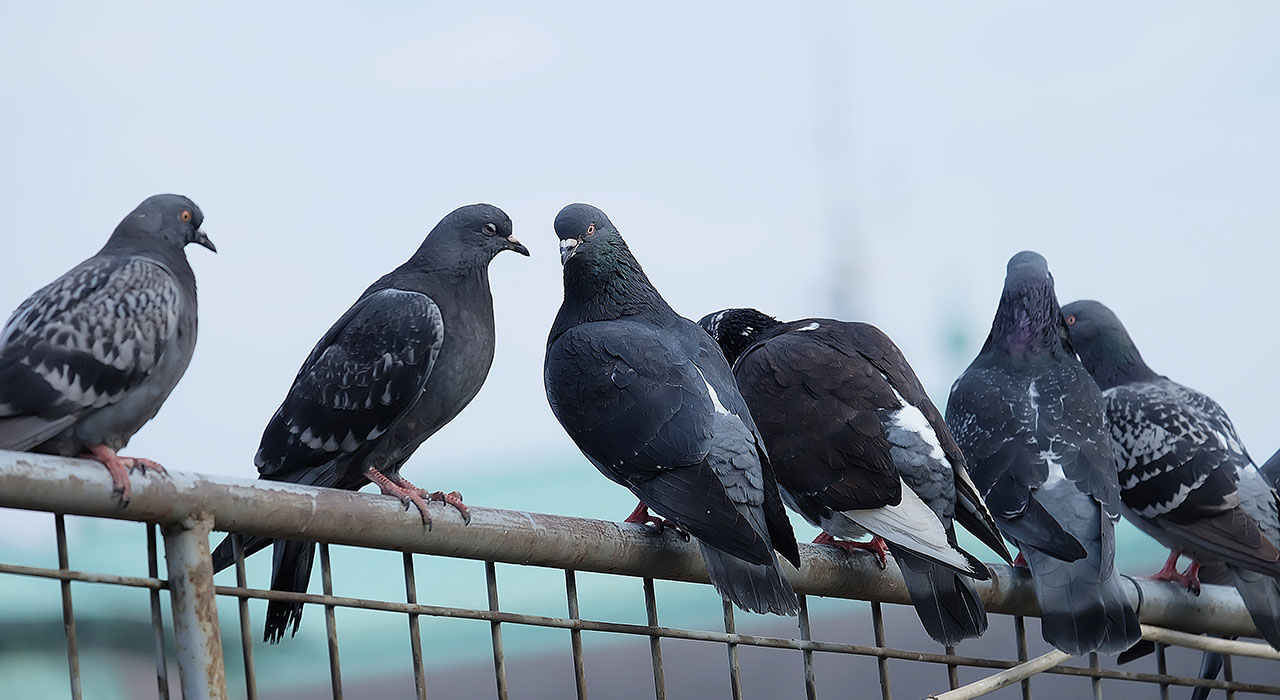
(1033, 426)
(86, 361)
(1185, 476)
(650, 400)
(401, 363)
(859, 448)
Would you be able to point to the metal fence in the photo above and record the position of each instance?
(186, 508)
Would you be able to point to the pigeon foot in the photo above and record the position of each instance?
(876, 546)
(642, 516)
(119, 468)
(452, 498)
(1169, 572)
(1020, 561)
(412, 495)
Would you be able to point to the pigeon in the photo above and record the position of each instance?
(87, 360)
(1033, 427)
(1185, 476)
(650, 400)
(858, 447)
(401, 363)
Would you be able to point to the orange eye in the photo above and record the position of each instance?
(1071, 320)
(185, 216)
(591, 229)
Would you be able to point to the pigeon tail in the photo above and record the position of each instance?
(1210, 666)
(758, 588)
(945, 601)
(1079, 613)
(225, 554)
(291, 572)
(1261, 595)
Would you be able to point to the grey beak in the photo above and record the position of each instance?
(567, 248)
(517, 246)
(203, 239)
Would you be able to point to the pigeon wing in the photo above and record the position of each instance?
(362, 376)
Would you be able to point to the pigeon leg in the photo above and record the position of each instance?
(642, 516)
(1020, 561)
(118, 467)
(453, 498)
(1169, 572)
(876, 546)
(407, 496)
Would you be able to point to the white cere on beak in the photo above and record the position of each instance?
(567, 246)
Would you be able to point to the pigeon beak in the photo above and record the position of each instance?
(568, 247)
(514, 244)
(202, 238)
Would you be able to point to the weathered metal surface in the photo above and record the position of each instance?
(43, 482)
(195, 610)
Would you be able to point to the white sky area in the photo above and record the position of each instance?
(751, 153)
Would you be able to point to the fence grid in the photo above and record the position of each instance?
(187, 507)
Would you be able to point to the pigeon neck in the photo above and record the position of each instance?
(1114, 360)
(1028, 321)
(606, 287)
(129, 244)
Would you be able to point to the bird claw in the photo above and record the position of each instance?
(655, 524)
(876, 546)
(454, 499)
(141, 464)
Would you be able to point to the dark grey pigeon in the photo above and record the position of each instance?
(1185, 476)
(858, 448)
(649, 399)
(86, 361)
(1033, 427)
(401, 363)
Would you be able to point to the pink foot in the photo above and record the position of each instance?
(119, 468)
(642, 516)
(876, 546)
(1169, 572)
(407, 496)
(1020, 561)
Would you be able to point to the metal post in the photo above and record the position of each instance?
(195, 611)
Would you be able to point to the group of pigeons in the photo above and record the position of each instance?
(1056, 429)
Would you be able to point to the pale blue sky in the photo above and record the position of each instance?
(744, 150)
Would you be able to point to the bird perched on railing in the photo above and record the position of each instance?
(1185, 476)
(858, 448)
(87, 360)
(401, 363)
(649, 399)
(1033, 427)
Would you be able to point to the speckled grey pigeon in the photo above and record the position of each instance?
(859, 448)
(649, 399)
(1185, 476)
(401, 363)
(87, 360)
(1033, 427)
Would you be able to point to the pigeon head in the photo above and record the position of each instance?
(1028, 319)
(1105, 348)
(735, 330)
(584, 228)
(469, 236)
(164, 219)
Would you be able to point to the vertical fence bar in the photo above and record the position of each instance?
(953, 672)
(1162, 667)
(1097, 682)
(1020, 637)
(882, 664)
(68, 613)
(195, 609)
(495, 631)
(157, 617)
(330, 624)
(735, 678)
(1228, 675)
(246, 641)
(415, 633)
(810, 685)
(655, 642)
(575, 636)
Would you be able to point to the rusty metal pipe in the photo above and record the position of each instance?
(195, 610)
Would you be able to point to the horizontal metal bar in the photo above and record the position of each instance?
(70, 575)
(42, 482)
(1007, 677)
(1232, 647)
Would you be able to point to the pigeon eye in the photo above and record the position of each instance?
(591, 229)
(185, 216)
(1071, 320)
(490, 229)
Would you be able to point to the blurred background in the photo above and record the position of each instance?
(877, 162)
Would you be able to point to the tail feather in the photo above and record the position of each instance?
(1079, 612)
(291, 571)
(760, 588)
(1210, 666)
(945, 601)
(224, 554)
(1261, 596)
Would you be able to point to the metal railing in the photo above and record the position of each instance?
(188, 507)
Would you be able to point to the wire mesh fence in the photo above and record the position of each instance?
(184, 509)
